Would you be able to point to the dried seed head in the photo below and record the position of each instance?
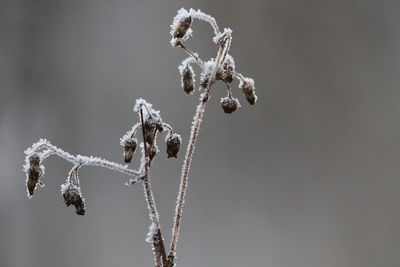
(152, 151)
(182, 27)
(173, 142)
(33, 173)
(150, 129)
(129, 148)
(248, 89)
(72, 196)
(32, 178)
(187, 79)
(229, 104)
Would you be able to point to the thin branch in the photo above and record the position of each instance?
(50, 149)
(228, 89)
(191, 53)
(191, 146)
(157, 239)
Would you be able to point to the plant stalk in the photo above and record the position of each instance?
(158, 243)
(197, 120)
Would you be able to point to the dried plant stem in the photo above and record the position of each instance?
(198, 117)
(191, 53)
(47, 149)
(157, 239)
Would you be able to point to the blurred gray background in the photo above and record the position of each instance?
(308, 177)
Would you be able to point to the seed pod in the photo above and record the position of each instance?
(72, 196)
(182, 27)
(129, 148)
(187, 79)
(173, 142)
(229, 104)
(248, 89)
(149, 131)
(33, 175)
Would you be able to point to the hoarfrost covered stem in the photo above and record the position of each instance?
(222, 68)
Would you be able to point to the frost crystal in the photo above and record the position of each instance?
(208, 67)
(220, 36)
(247, 82)
(205, 17)
(153, 228)
(248, 89)
(229, 63)
(49, 149)
(148, 111)
(129, 134)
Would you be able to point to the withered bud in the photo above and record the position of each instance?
(73, 196)
(187, 79)
(129, 148)
(229, 104)
(152, 152)
(173, 142)
(182, 27)
(248, 89)
(33, 174)
(150, 128)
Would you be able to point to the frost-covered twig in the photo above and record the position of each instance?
(154, 235)
(150, 124)
(43, 149)
(222, 68)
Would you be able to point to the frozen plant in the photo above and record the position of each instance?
(221, 68)
(150, 123)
